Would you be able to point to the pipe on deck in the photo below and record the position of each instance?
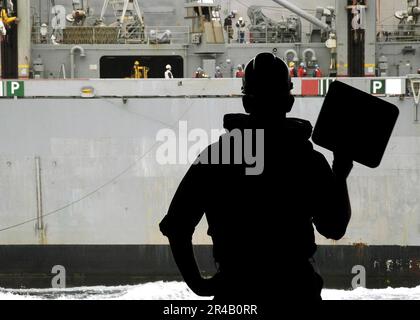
(295, 9)
(72, 65)
(24, 39)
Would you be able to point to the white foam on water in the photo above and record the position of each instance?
(149, 291)
(161, 290)
(373, 294)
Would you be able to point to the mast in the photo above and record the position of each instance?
(24, 39)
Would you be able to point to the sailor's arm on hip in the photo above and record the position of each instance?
(186, 208)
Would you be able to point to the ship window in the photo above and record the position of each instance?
(122, 66)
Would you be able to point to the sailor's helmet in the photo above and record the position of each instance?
(266, 73)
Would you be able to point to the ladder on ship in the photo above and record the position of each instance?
(129, 17)
(123, 8)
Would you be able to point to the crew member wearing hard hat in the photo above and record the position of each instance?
(239, 72)
(260, 222)
(302, 70)
(140, 72)
(168, 72)
(292, 69)
(137, 70)
(200, 73)
(228, 27)
(240, 25)
(6, 21)
(317, 72)
(218, 73)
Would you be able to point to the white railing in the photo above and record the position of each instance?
(258, 34)
(191, 87)
(395, 33)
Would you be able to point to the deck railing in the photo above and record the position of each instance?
(111, 35)
(398, 33)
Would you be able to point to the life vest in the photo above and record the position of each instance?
(168, 74)
(240, 74)
(240, 26)
(301, 72)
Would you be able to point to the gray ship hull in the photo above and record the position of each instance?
(30, 266)
(81, 187)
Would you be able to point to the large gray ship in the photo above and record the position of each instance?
(81, 187)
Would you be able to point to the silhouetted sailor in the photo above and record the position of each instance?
(260, 215)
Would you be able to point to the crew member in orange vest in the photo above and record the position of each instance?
(302, 71)
(292, 70)
(317, 72)
(239, 73)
